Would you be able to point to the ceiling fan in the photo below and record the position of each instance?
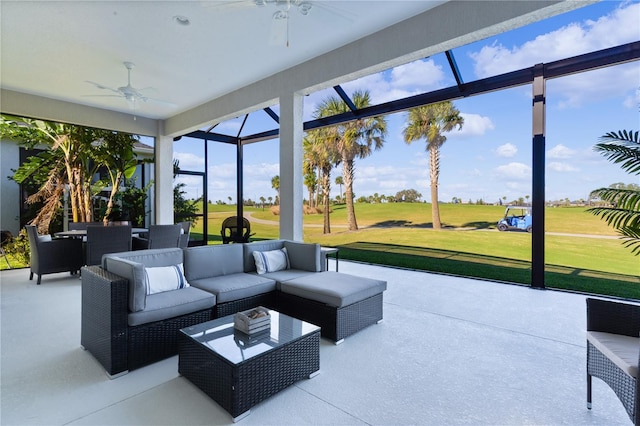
(132, 95)
(279, 34)
(280, 23)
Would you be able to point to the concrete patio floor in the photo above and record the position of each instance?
(450, 351)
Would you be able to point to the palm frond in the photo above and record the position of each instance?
(632, 239)
(622, 148)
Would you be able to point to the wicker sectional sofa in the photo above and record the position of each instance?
(130, 317)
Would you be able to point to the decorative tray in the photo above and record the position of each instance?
(252, 321)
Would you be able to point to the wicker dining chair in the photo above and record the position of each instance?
(106, 239)
(49, 255)
(613, 351)
(160, 236)
(81, 226)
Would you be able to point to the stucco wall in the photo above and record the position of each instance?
(9, 190)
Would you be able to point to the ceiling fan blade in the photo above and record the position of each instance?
(101, 86)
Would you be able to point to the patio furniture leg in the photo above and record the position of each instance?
(31, 276)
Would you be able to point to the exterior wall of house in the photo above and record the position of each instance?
(9, 190)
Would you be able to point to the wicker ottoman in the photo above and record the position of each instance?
(340, 304)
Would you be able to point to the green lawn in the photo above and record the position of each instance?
(401, 235)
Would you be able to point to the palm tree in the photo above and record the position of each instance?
(355, 139)
(310, 181)
(622, 148)
(340, 182)
(429, 122)
(275, 184)
(322, 155)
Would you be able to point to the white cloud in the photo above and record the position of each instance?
(222, 171)
(517, 171)
(474, 125)
(400, 82)
(261, 170)
(423, 75)
(560, 151)
(619, 27)
(188, 161)
(507, 150)
(374, 171)
(558, 166)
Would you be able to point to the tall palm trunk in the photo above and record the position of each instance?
(326, 187)
(434, 174)
(347, 176)
(318, 187)
(311, 198)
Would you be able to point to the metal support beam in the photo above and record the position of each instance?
(272, 114)
(239, 191)
(538, 178)
(454, 67)
(246, 116)
(582, 63)
(345, 98)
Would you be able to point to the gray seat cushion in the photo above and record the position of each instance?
(623, 351)
(286, 275)
(333, 288)
(171, 304)
(235, 286)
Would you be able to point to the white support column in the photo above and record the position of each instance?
(291, 133)
(164, 180)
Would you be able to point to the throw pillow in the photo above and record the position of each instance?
(271, 261)
(165, 278)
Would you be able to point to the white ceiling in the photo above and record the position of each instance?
(53, 48)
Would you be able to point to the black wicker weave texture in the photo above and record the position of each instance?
(105, 330)
(617, 318)
(239, 387)
(336, 323)
(621, 383)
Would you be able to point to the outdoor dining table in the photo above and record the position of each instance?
(81, 233)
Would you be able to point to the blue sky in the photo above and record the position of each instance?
(490, 157)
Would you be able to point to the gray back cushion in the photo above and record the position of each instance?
(131, 264)
(212, 261)
(304, 256)
(249, 248)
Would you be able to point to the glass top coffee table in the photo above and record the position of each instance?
(237, 370)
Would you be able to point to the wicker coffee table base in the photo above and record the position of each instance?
(237, 388)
